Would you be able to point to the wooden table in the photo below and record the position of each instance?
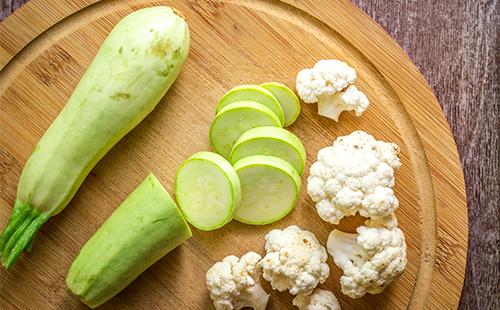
(453, 43)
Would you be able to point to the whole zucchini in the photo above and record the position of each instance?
(145, 227)
(132, 71)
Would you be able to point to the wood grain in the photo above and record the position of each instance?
(455, 45)
(444, 242)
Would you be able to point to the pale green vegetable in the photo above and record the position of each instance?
(270, 189)
(287, 99)
(272, 141)
(131, 72)
(207, 190)
(252, 93)
(236, 118)
(145, 227)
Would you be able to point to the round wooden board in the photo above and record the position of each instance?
(45, 48)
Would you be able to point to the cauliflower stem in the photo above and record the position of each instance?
(345, 248)
(254, 297)
(328, 107)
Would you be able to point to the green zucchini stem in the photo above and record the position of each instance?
(19, 233)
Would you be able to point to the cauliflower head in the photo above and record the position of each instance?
(295, 260)
(371, 259)
(355, 174)
(234, 283)
(329, 83)
(318, 300)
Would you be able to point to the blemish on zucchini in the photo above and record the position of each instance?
(176, 54)
(163, 72)
(160, 47)
(159, 220)
(119, 96)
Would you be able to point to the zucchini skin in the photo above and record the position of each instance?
(132, 71)
(146, 226)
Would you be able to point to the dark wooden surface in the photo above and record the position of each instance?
(455, 45)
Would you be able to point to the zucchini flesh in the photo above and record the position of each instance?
(145, 227)
(272, 141)
(270, 188)
(236, 118)
(287, 99)
(252, 93)
(132, 71)
(207, 190)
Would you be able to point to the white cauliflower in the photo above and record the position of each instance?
(295, 260)
(329, 83)
(234, 283)
(356, 174)
(318, 300)
(371, 259)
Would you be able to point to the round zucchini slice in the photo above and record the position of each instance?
(271, 141)
(288, 101)
(208, 190)
(236, 118)
(270, 189)
(253, 93)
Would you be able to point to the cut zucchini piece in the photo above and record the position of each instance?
(287, 99)
(270, 189)
(143, 229)
(252, 93)
(207, 190)
(272, 141)
(236, 118)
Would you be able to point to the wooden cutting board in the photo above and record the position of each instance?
(44, 49)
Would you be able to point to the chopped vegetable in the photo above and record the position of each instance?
(272, 141)
(295, 260)
(236, 118)
(270, 189)
(133, 69)
(356, 174)
(371, 259)
(208, 190)
(234, 283)
(287, 99)
(329, 83)
(318, 300)
(252, 93)
(145, 227)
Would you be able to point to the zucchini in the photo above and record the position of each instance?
(270, 189)
(145, 227)
(273, 141)
(236, 118)
(207, 190)
(255, 93)
(287, 99)
(132, 71)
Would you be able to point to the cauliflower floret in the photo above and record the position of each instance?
(295, 260)
(329, 83)
(356, 174)
(371, 259)
(318, 300)
(234, 283)
(390, 221)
